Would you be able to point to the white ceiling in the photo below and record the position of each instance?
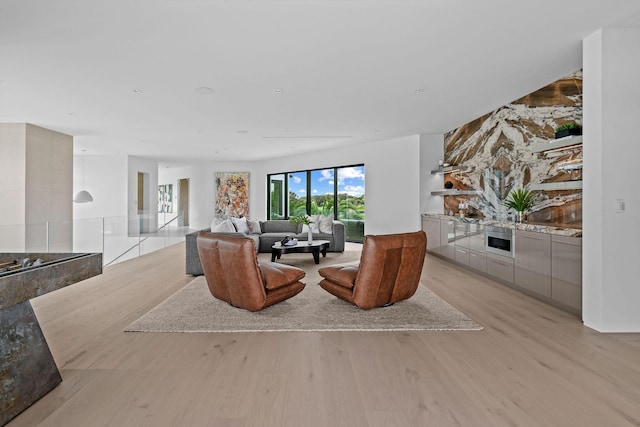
(288, 76)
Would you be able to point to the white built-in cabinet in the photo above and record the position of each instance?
(461, 242)
(500, 267)
(446, 248)
(431, 227)
(533, 262)
(546, 266)
(566, 271)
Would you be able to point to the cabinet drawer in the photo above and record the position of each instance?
(478, 261)
(566, 262)
(462, 255)
(533, 251)
(533, 281)
(500, 267)
(566, 293)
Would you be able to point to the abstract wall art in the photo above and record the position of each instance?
(232, 194)
(165, 198)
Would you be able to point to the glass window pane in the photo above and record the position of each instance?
(351, 201)
(297, 193)
(322, 191)
(276, 196)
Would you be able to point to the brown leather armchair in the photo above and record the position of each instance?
(234, 275)
(389, 271)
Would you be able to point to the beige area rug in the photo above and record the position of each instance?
(194, 309)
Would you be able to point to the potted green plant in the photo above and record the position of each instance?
(304, 219)
(520, 200)
(568, 129)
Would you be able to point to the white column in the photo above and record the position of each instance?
(611, 265)
(36, 180)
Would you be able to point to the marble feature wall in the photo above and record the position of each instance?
(497, 148)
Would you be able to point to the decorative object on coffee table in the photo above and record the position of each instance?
(304, 219)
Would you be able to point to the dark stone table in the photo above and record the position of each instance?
(314, 247)
(27, 368)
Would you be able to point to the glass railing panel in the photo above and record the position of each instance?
(117, 238)
(88, 235)
(60, 237)
(121, 236)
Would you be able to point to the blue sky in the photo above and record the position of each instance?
(350, 181)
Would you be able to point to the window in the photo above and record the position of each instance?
(351, 201)
(297, 193)
(338, 191)
(276, 196)
(322, 192)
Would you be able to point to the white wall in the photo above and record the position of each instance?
(202, 188)
(105, 177)
(431, 150)
(611, 151)
(392, 180)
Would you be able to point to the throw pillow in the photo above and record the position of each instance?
(254, 227)
(224, 226)
(325, 224)
(315, 219)
(241, 225)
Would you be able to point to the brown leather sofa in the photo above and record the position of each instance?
(234, 275)
(388, 272)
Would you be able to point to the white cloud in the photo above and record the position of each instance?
(295, 179)
(326, 174)
(353, 190)
(314, 191)
(331, 182)
(350, 173)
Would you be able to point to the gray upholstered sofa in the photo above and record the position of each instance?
(272, 231)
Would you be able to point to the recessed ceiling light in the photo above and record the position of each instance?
(242, 131)
(277, 90)
(203, 90)
(418, 90)
(138, 91)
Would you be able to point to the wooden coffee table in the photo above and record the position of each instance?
(315, 247)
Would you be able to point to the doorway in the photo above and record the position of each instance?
(146, 217)
(183, 202)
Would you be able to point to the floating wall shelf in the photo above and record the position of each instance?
(456, 193)
(561, 144)
(557, 186)
(450, 169)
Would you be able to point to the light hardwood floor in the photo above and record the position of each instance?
(531, 365)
